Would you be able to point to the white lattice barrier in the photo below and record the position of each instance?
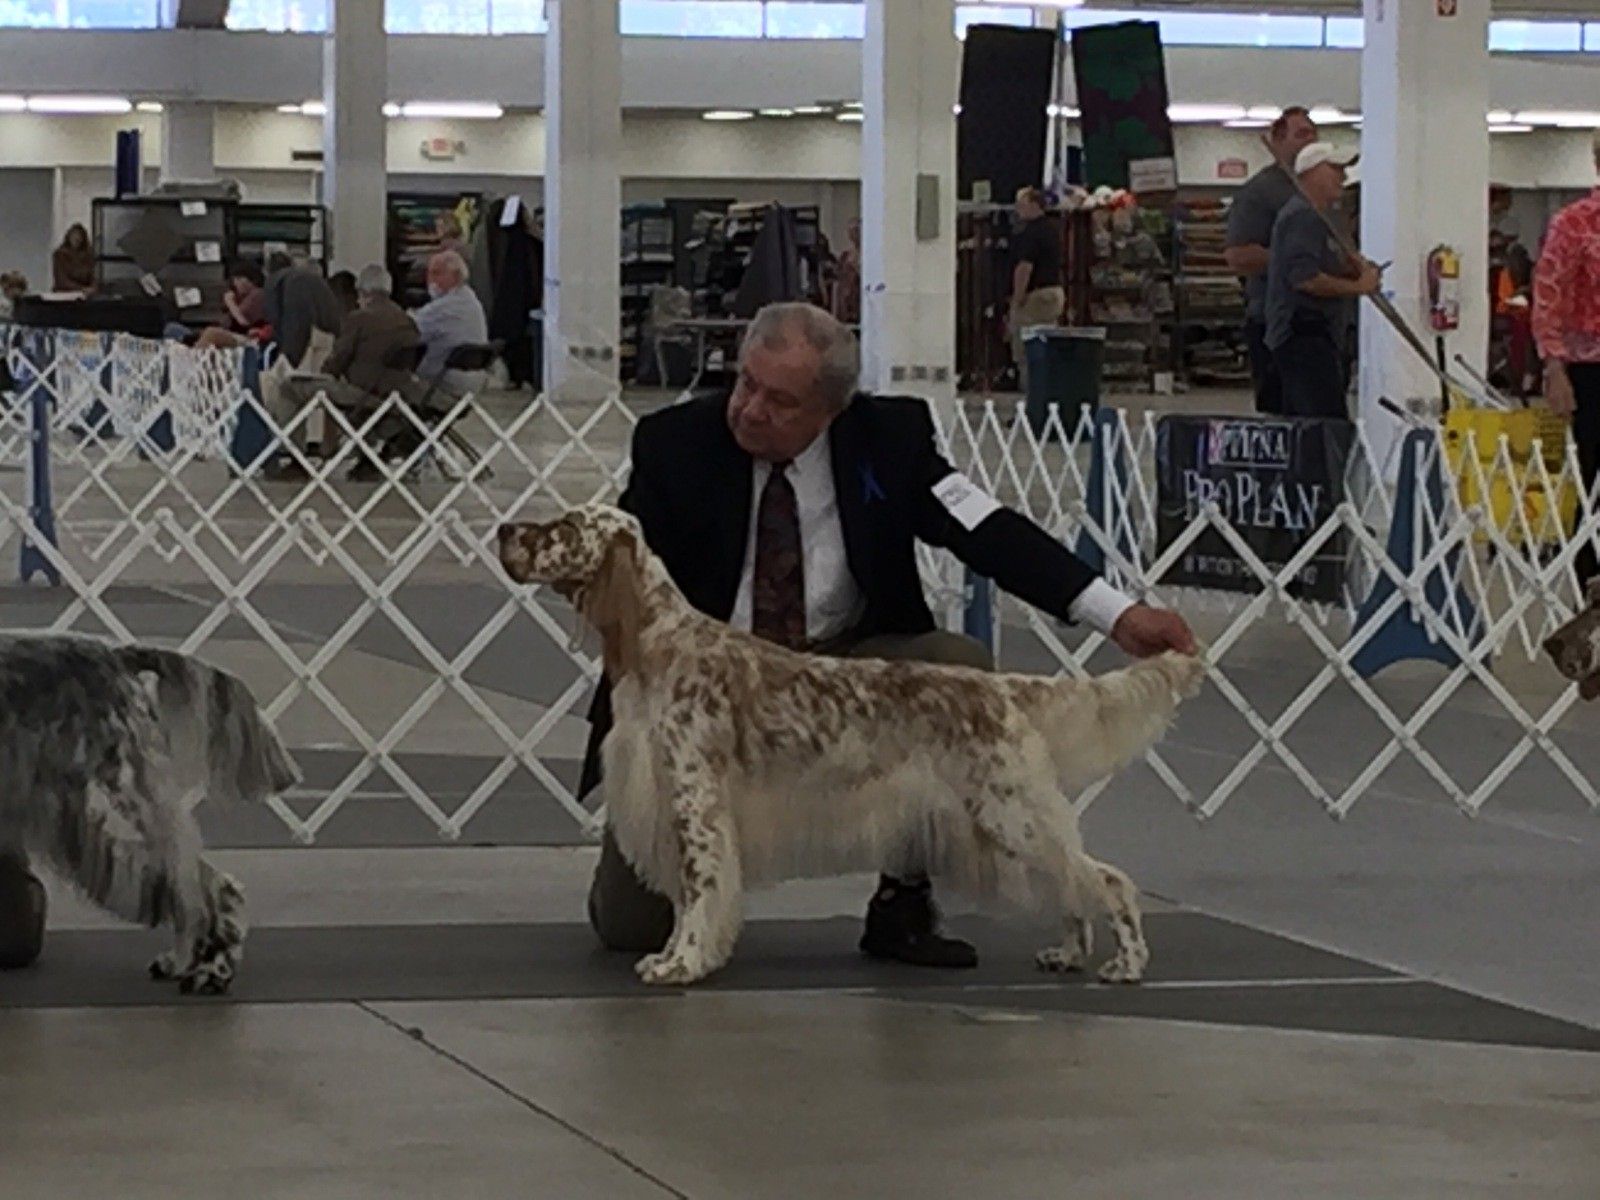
(301, 586)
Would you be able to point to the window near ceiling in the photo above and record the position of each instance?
(968, 15)
(1551, 37)
(1212, 29)
(80, 14)
(517, 16)
(820, 19)
(278, 16)
(1591, 36)
(1346, 33)
(436, 16)
(692, 18)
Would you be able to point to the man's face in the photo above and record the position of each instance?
(440, 276)
(1027, 210)
(243, 288)
(1298, 133)
(1324, 183)
(775, 411)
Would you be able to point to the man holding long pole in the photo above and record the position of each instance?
(1311, 281)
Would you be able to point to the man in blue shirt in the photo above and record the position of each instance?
(1311, 283)
(453, 317)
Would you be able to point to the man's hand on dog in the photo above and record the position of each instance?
(1144, 631)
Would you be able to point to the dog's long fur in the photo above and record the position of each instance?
(735, 761)
(104, 751)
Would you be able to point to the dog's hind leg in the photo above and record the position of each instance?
(1121, 899)
(707, 908)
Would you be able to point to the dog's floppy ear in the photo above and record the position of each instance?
(612, 604)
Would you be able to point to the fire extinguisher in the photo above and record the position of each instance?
(1444, 289)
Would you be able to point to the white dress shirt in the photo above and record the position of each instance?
(834, 604)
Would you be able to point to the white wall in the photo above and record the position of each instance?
(26, 198)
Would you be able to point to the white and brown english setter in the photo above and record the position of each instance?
(736, 761)
(104, 751)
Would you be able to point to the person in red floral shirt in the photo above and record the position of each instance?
(1566, 324)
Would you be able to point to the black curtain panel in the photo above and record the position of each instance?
(1005, 93)
(1122, 91)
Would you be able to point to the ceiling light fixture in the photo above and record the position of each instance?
(1560, 120)
(1263, 112)
(1248, 123)
(728, 114)
(1327, 114)
(1510, 127)
(810, 110)
(777, 112)
(1500, 116)
(853, 118)
(1188, 114)
(449, 110)
(150, 106)
(13, 104)
(79, 105)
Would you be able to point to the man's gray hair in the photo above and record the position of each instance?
(454, 263)
(839, 372)
(375, 280)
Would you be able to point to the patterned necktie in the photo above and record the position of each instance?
(778, 592)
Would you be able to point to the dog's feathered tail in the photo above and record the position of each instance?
(243, 756)
(1108, 722)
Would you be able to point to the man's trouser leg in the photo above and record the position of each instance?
(22, 912)
(1586, 434)
(629, 916)
(1040, 307)
(1314, 383)
(1263, 369)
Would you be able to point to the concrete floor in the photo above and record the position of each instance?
(1404, 1005)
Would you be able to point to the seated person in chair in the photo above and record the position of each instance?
(454, 317)
(368, 363)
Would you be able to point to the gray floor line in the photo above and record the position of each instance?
(421, 1038)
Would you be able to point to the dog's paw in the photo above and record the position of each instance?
(1122, 968)
(1060, 959)
(165, 966)
(670, 970)
(211, 978)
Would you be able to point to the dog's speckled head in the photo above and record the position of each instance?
(1575, 647)
(568, 552)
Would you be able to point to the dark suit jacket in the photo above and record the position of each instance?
(691, 490)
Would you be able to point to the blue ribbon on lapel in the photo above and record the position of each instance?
(871, 489)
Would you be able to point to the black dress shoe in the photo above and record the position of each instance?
(22, 911)
(903, 925)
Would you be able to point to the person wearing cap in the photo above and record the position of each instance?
(1249, 238)
(1311, 283)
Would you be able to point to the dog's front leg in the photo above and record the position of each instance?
(707, 908)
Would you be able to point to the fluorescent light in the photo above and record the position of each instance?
(777, 112)
(728, 114)
(852, 117)
(1500, 116)
(1263, 112)
(1326, 114)
(150, 106)
(1065, 111)
(1510, 127)
(79, 105)
(1560, 120)
(810, 110)
(13, 104)
(856, 104)
(289, 108)
(452, 110)
(391, 109)
(1195, 113)
(1247, 123)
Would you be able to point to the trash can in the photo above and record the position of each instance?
(1063, 371)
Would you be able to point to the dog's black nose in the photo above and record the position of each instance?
(507, 532)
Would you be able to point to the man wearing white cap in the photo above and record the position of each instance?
(1311, 283)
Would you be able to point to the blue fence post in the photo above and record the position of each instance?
(977, 620)
(252, 438)
(1404, 636)
(1106, 494)
(41, 505)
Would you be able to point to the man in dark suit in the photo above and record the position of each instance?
(792, 509)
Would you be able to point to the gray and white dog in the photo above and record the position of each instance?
(104, 752)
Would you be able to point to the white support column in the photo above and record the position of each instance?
(1424, 183)
(355, 83)
(188, 142)
(911, 78)
(583, 198)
